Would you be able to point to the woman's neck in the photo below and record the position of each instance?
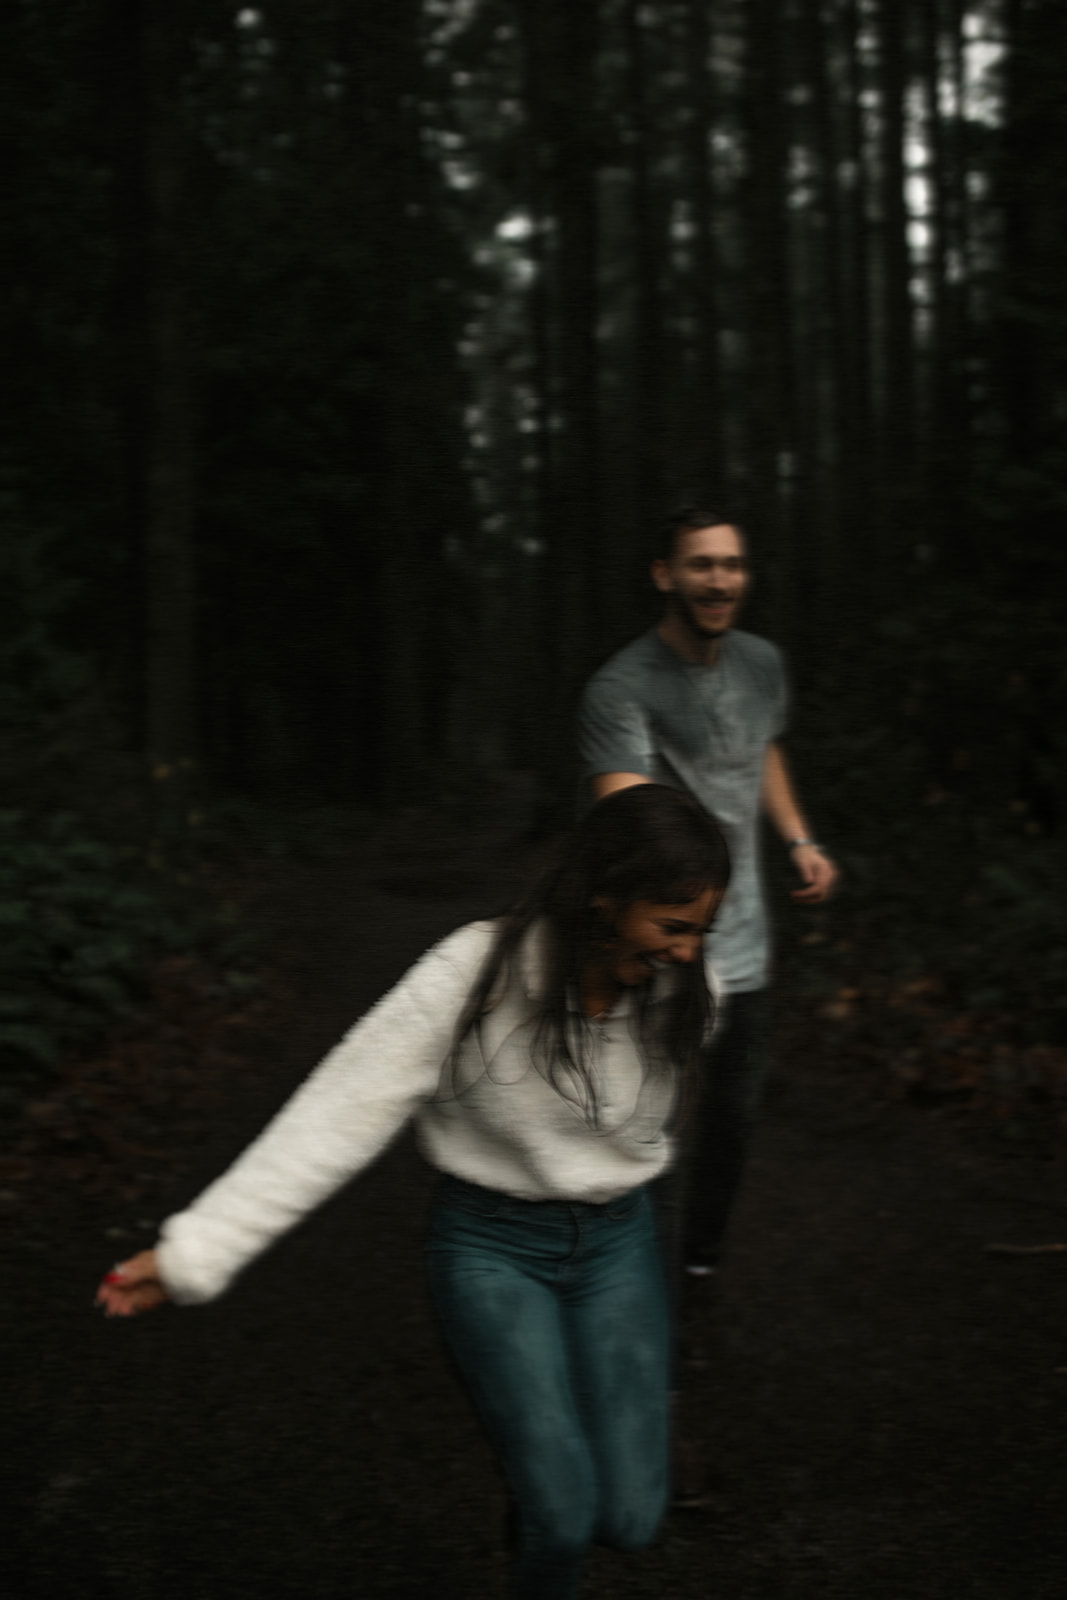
(599, 990)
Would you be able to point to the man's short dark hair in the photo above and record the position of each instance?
(687, 519)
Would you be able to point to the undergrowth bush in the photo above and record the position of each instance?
(80, 921)
(932, 753)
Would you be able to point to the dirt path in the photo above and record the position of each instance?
(885, 1408)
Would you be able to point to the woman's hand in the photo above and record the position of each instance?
(131, 1287)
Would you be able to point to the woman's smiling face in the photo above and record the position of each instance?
(650, 935)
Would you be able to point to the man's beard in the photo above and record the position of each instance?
(694, 624)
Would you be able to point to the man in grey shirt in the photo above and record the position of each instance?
(698, 704)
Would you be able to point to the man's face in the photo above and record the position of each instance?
(705, 578)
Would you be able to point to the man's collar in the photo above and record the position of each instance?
(680, 655)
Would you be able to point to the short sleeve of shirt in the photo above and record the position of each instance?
(614, 729)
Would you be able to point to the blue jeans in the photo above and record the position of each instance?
(556, 1315)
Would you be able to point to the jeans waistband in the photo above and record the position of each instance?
(494, 1202)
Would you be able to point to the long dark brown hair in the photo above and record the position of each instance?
(647, 842)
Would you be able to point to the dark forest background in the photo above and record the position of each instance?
(355, 351)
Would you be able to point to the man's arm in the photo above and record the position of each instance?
(605, 783)
(780, 802)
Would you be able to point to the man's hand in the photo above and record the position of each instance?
(781, 805)
(817, 871)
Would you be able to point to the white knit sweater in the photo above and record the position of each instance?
(501, 1124)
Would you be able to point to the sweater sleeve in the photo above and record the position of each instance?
(339, 1119)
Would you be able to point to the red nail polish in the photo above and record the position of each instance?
(113, 1277)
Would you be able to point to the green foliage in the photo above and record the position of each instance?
(80, 920)
(83, 919)
(233, 828)
(934, 757)
(59, 736)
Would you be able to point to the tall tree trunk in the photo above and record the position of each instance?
(560, 44)
(961, 270)
(419, 500)
(771, 443)
(830, 367)
(169, 497)
(647, 234)
(897, 486)
(537, 166)
(575, 179)
(858, 244)
(124, 93)
(1032, 368)
(705, 447)
(937, 412)
(1020, 363)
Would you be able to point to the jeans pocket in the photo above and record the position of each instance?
(627, 1205)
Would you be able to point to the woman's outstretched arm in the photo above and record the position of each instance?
(340, 1118)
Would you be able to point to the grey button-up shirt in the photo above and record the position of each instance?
(706, 730)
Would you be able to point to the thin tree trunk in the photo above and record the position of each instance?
(578, 545)
(705, 446)
(897, 487)
(418, 649)
(169, 499)
(1020, 363)
(959, 307)
(831, 369)
(560, 42)
(770, 421)
(937, 410)
(858, 250)
(647, 231)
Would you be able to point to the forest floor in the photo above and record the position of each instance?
(884, 1409)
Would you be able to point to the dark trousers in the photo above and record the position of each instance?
(696, 1199)
(556, 1316)
(716, 1147)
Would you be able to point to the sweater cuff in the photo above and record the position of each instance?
(189, 1275)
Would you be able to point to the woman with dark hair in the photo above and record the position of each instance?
(544, 1058)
